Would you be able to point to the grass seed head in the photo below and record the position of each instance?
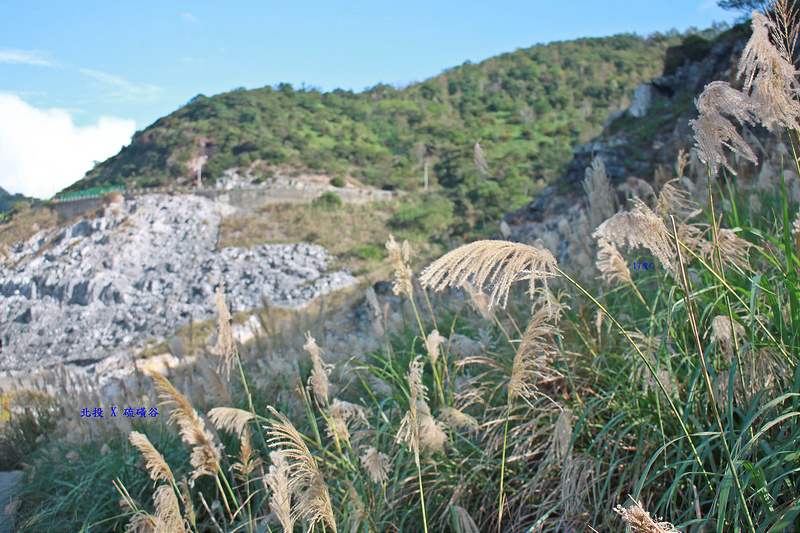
(155, 463)
(640, 227)
(432, 343)
(280, 501)
(306, 482)
(376, 464)
(402, 272)
(612, 266)
(319, 371)
(598, 192)
(168, 512)
(640, 520)
(770, 77)
(226, 346)
(494, 263)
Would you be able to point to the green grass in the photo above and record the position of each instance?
(679, 387)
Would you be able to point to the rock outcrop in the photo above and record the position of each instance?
(634, 145)
(103, 286)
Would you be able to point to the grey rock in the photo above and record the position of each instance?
(101, 288)
(642, 100)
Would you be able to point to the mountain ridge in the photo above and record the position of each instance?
(528, 108)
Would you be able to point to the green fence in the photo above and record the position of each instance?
(91, 192)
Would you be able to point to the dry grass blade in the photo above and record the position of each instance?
(306, 480)
(494, 263)
(156, 465)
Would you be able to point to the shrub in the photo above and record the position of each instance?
(337, 182)
(368, 251)
(431, 214)
(34, 413)
(328, 201)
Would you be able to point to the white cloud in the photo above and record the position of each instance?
(188, 17)
(23, 56)
(42, 150)
(125, 90)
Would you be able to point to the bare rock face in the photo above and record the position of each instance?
(102, 287)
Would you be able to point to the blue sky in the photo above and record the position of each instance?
(77, 78)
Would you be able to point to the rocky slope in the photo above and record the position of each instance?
(638, 141)
(101, 287)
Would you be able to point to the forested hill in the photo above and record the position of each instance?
(529, 107)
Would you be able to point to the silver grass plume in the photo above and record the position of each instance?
(674, 201)
(358, 512)
(723, 334)
(402, 272)
(168, 513)
(640, 227)
(562, 438)
(530, 362)
(141, 523)
(578, 475)
(155, 463)
(280, 502)
(598, 192)
(305, 478)
(205, 453)
(769, 76)
(376, 464)
(457, 419)
(431, 435)
(712, 130)
(230, 419)
(480, 161)
(341, 413)
(494, 263)
(319, 371)
(611, 264)
(479, 301)
(432, 344)
(226, 346)
(640, 520)
(186, 499)
(463, 521)
(409, 431)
